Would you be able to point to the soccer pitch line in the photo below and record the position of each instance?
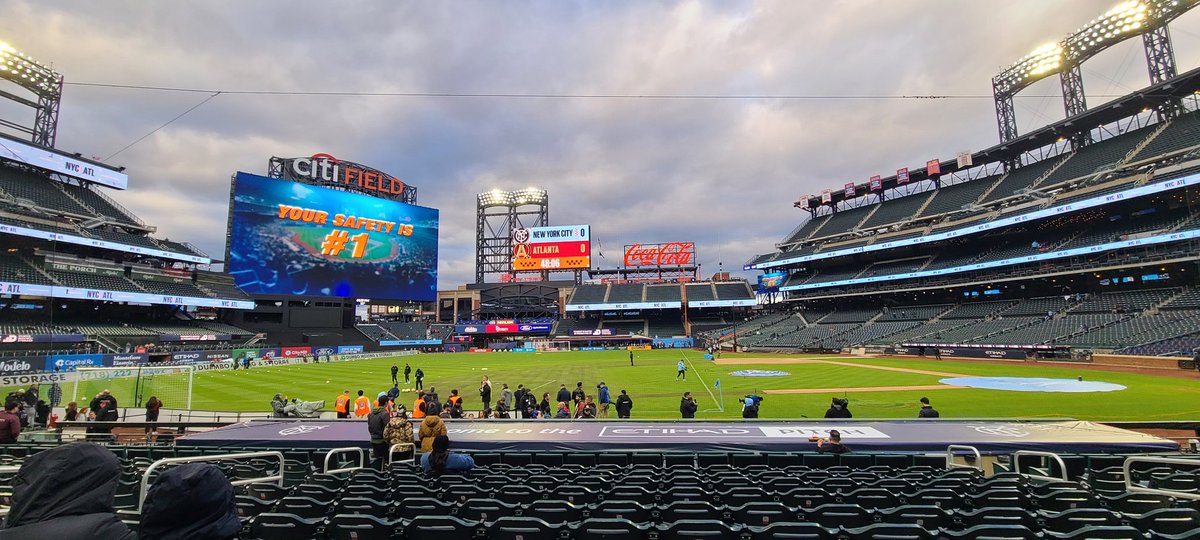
(720, 406)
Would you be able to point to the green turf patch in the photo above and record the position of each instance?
(656, 392)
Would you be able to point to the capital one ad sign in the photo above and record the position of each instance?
(668, 254)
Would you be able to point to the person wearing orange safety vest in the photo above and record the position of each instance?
(342, 405)
(418, 410)
(362, 405)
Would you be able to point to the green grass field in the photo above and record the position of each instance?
(652, 385)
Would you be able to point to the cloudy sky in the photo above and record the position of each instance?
(720, 172)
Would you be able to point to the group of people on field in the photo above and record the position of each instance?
(566, 404)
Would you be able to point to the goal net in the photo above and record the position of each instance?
(133, 386)
(551, 345)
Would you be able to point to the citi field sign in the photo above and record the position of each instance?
(324, 169)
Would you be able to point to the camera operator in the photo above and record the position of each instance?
(750, 406)
(687, 405)
(833, 444)
(839, 408)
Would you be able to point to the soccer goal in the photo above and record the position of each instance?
(549, 345)
(133, 386)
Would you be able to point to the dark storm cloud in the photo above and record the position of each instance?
(722, 173)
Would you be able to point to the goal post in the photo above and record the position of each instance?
(549, 345)
(134, 385)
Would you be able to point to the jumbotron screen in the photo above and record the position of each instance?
(298, 239)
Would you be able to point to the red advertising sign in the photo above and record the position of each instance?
(501, 328)
(669, 254)
(902, 176)
(294, 352)
(849, 189)
(826, 197)
(876, 183)
(933, 167)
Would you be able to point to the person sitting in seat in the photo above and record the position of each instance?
(192, 500)
(66, 492)
(441, 461)
(833, 444)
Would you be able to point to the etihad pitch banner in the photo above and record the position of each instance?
(566, 247)
(298, 239)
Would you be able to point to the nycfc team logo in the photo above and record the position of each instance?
(324, 351)
(300, 430)
(521, 236)
(1002, 430)
(759, 373)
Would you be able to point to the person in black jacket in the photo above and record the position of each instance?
(577, 395)
(833, 444)
(927, 410)
(395, 370)
(564, 395)
(192, 500)
(66, 492)
(687, 405)
(376, 421)
(485, 393)
(624, 405)
(839, 408)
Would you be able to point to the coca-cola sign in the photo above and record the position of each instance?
(668, 254)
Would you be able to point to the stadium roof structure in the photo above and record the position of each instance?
(1151, 97)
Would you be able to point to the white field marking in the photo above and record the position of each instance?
(694, 370)
(541, 385)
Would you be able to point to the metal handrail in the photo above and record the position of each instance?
(1061, 465)
(277, 478)
(410, 446)
(362, 459)
(950, 464)
(1127, 469)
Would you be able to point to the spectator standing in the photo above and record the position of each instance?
(545, 405)
(71, 414)
(604, 398)
(563, 394)
(398, 430)
(376, 422)
(66, 492)
(418, 411)
(485, 393)
(927, 410)
(395, 370)
(624, 405)
(577, 394)
(440, 460)
(518, 402)
(687, 406)
(506, 396)
(431, 428)
(10, 424)
(362, 405)
(341, 405)
(192, 500)
(407, 372)
(153, 406)
(420, 378)
(630, 358)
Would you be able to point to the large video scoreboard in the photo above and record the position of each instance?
(298, 239)
(565, 247)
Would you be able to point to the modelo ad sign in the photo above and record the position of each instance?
(668, 254)
(15, 366)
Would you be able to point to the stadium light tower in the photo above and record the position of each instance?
(1147, 18)
(498, 213)
(43, 82)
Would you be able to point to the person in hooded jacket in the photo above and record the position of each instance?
(431, 427)
(688, 406)
(377, 420)
(66, 492)
(190, 501)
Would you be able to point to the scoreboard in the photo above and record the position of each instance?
(564, 247)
